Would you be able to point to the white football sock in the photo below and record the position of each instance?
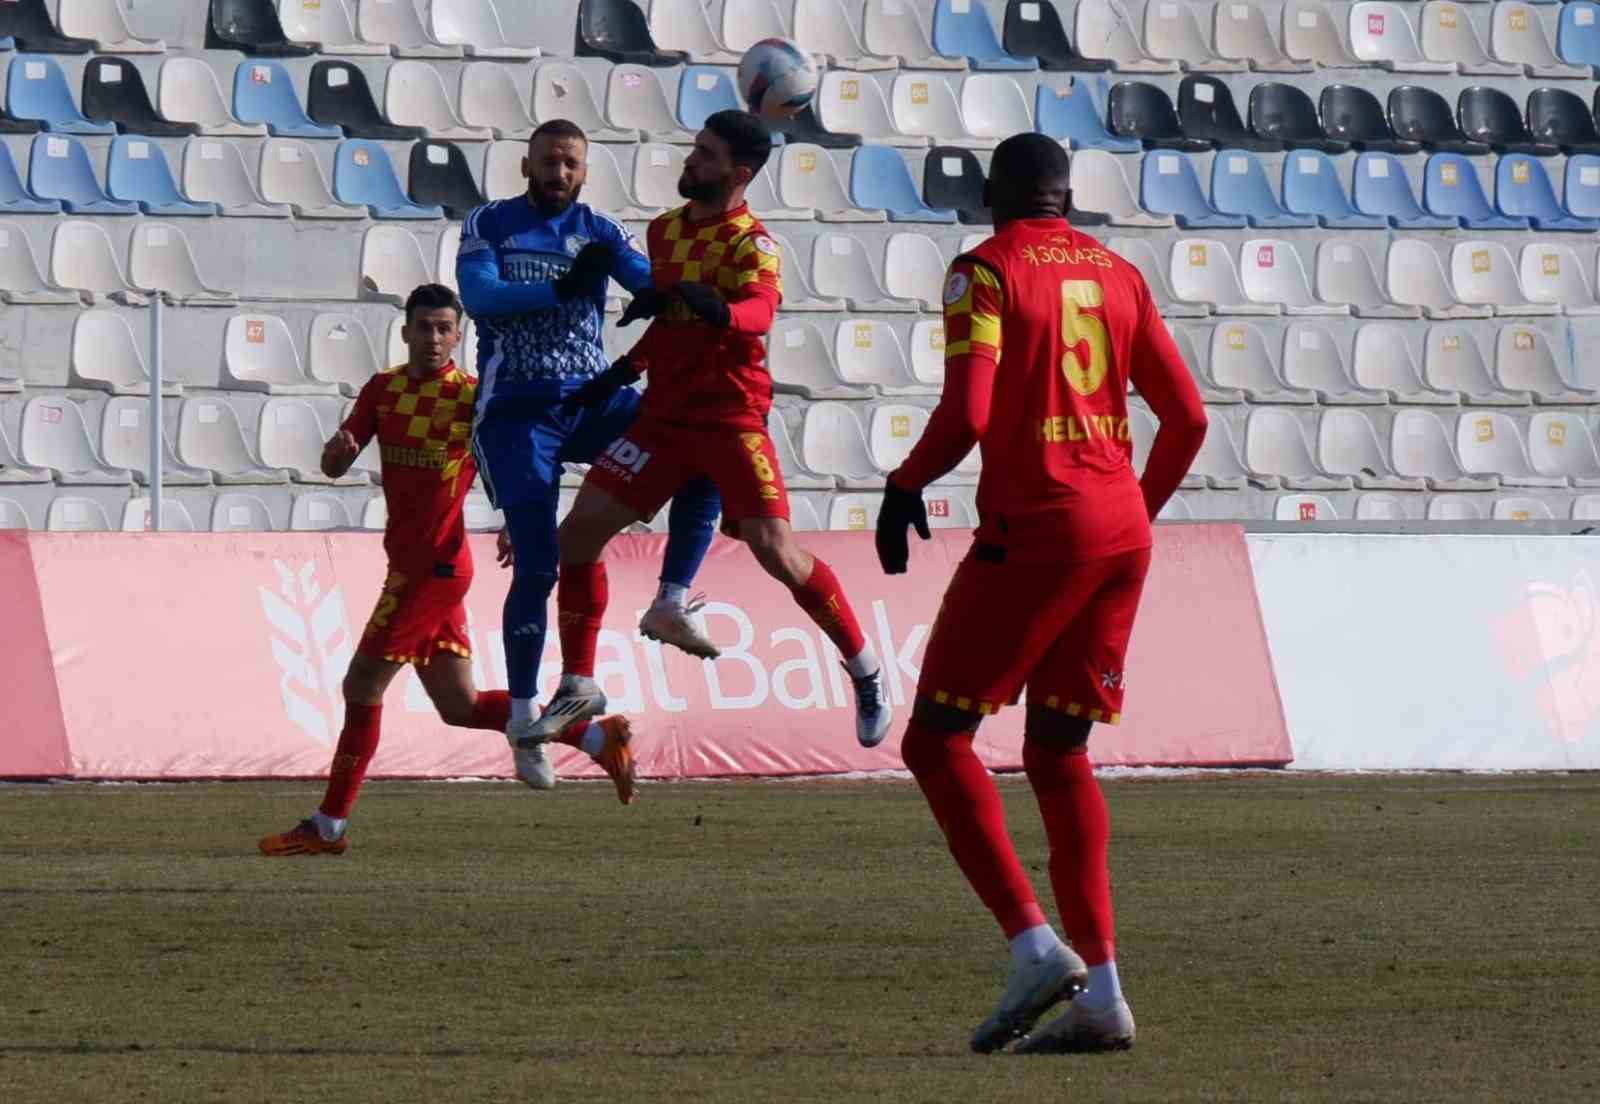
(329, 828)
(1104, 989)
(594, 740)
(1028, 947)
(672, 594)
(521, 710)
(863, 663)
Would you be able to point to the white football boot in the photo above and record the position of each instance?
(532, 765)
(1030, 992)
(577, 699)
(1083, 1030)
(670, 623)
(874, 714)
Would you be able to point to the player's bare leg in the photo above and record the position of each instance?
(817, 591)
(448, 682)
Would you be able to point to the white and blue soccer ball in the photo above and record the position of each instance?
(777, 79)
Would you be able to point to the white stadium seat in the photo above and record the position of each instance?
(214, 172)
(684, 25)
(1521, 509)
(1490, 444)
(798, 293)
(415, 95)
(55, 437)
(833, 443)
(1173, 32)
(1203, 272)
(1275, 444)
(1525, 360)
(800, 361)
(105, 21)
(316, 511)
(913, 268)
(560, 91)
(330, 25)
(868, 353)
(635, 100)
(1142, 255)
(82, 258)
(1484, 274)
(1382, 507)
(828, 27)
(1242, 360)
(475, 26)
(125, 443)
(657, 167)
(762, 195)
(1176, 509)
(72, 514)
(1382, 35)
(950, 507)
(1218, 463)
(1142, 428)
(259, 354)
(1383, 362)
(808, 179)
(749, 21)
(1560, 445)
(1584, 508)
(1421, 447)
(480, 514)
(1099, 187)
(1448, 34)
(994, 107)
(1241, 33)
(392, 265)
(1345, 275)
(1198, 359)
(795, 474)
(850, 103)
(925, 104)
(1311, 33)
(1103, 30)
(493, 99)
(13, 470)
(290, 436)
(210, 438)
(854, 513)
(175, 517)
(339, 351)
(894, 28)
(841, 268)
(1453, 361)
(446, 254)
(1304, 507)
(893, 432)
(1313, 360)
(160, 257)
(1348, 445)
(1271, 272)
(188, 92)
(1416, 278)
(1454, 508)
(1517, 34)
(236, 512)
(400, 27)
(927, 353)
(106, 356)
(21, 280)
(1552, 273)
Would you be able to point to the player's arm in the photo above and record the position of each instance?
(341, 450)
(486, 295)
(752, 305)
(1160, 375)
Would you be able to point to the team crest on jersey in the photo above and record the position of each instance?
(765, 245)
(575, 244)
(955, 288)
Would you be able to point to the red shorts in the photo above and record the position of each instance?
(650, 463)
(1059, 630)
(418, 615)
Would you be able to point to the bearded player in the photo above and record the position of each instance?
(421, 414)
(716, 290)
(1044, 330)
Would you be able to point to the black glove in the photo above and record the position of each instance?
(601, 387)
(591, 264)
(704, 301)
(901, 508)
(647, 303)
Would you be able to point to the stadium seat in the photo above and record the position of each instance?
(54, 436)
(796, 475)
(951, 508)
(363, 174)
(290, 437)
(1581, 186)
(1449, 35)
(841, 269)
(762, 195)
(1345, 275)
(259, 354)
(892, 28)
(1348, 447)
(14, 197)
(392, 264)
(75, 514)
(31, 25)
(339, 351)
(1239, 186)
(137, 172)
(1173, 32)
(618, 31)
(480, 514)
(37, 91)
(83, 259)
(1143, 111)
(1198, 359)
(1105, 32)
(954, 179)
(21, 280)
(1203, 272)
(250, 26)
(963, 29)
(1311, 33)
(1450, 187)
(1558, 117)
(925, 106)
(59, 169)
(114, 92)
(808, 179)
(994, 107)
(1521, 509)
(1304, 507)
(704, 90)
(1241, 360)
(440, 177)
(1353, 115)
(1241, 33)
(338, 95)
(1490, 116)
(1525, 360)
(13, 470)
(161, 258)
(1384, 363)
(926, 352)
(1311, 187)
(1561, 446)
(1578, 33)
(1284, 115)
(801, 361)
(105, 356)
(745, 24)
(1415, 277)
(1218, 464)
(1584, 508)
(868, 353)
(214, 172)
(1491, 446)
(1380, 186)
(914, 268)
(1552, 273)
(847, 102)
(657, 167)
(375, 514)
(315, 511)
(1313, 360)
(415, 96)
(211, 439)
(1073, 115)
(832, 443)
(264, 94)
(854, 513)
(1168, 185)
(329, 26)
(400, 28)
(1518, 35)
(1270, 271)
(475, 26)
(106, 23)
(798, 292)
(1142, 428)
(1422, 116)
(492, 100)
(189, 93)
(1101, 193)
(1452, 361)
(1522, 189)
(290, 174)
(1206, 111)
(635, 101)
(1035, 30)
(1382, 507)
(1139, 253)
(1381, 34)
(234, 512)
(828, 28)
(893, 430)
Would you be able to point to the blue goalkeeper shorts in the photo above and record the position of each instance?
(521, 444)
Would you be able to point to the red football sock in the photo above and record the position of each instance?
(572, 735)
(1079, 829)
(491, 711)
(581, 597)
(823, 599)
(967, 806)
(357, 743)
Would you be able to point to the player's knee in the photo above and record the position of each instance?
(455, 709)
(1055, 730)
(932, 727)
(776, 550)
(362, 686)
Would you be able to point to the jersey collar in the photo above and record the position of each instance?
(727, 216)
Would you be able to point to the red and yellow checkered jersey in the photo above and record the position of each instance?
(1067, 325)
(424, 432)
(699, 374)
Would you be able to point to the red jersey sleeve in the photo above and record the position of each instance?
(362, 421)
(1160, 375)
(754, 302)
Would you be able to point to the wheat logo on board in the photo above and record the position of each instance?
(312, 644)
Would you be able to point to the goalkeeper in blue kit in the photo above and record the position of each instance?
(533, 275)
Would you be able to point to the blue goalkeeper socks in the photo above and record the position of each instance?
(690, 526)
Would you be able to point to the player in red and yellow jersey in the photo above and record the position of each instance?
(421, 415)
(717, 288)
(1044, 331)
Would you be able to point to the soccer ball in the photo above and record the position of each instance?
(777, 78)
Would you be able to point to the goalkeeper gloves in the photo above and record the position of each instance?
(591, 264)
(599, 389)
(902, 509)
(705, 302)
(647, 303)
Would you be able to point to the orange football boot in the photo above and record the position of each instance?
(303, 839)
(617, 756)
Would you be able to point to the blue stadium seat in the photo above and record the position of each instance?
(1450, 186)
(1074, 115)
(1522, 189)
(703, 90)
(1381, 187)
(1168, 185)
(1581, 186)
(969, 33)
(879, 177)
(37, 89)
(1311, 187)
(14, 196)
(264, 93)
(1239, 186)
(363, 175)
(138, 173)
(1578, 34)
(60, 169)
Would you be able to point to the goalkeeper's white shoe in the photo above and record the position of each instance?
(532, 765)
(1083, 1030)
(670, 623)
(1030, 992)
(874, 714)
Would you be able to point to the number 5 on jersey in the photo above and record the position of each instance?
(1077, 329)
